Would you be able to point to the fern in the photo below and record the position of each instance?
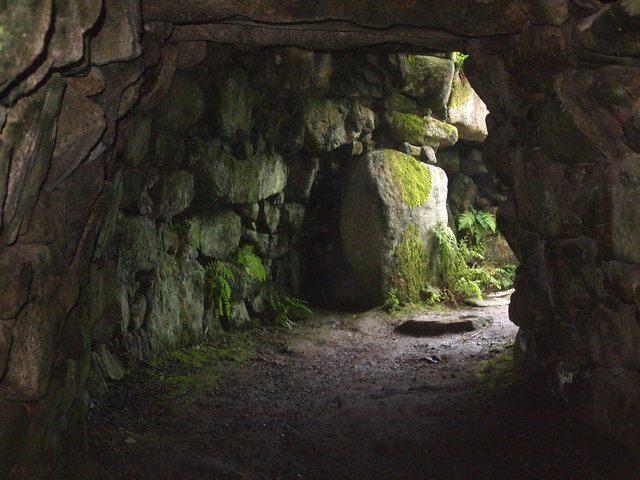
(220, 279)
(477, 224)
(458, 276)
(251, 262)
(283, 309)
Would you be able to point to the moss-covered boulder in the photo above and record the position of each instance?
(416, 130)
(391, 204)
(221, 177)
(467, 111)
(324, 122)
(429, 80)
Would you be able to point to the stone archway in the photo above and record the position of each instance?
(560, 78)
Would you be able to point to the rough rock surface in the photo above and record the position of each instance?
(560, 79)
(391, 204)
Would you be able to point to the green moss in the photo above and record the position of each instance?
(410, 271)
(399, 103)
(497, 372)
(184, 371)
(461, 91)
(411, 176)
(405, 127)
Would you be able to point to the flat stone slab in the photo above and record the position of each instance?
(493, 300)
(428, 326)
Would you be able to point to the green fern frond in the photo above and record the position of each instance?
(220, 279)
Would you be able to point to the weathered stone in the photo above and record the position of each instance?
(441, 326)
(260, 241)
(80, 126)
(6, 340)
(302, 175)
(428, 155)
(269, 217)
(137, 244)
(21, 21)
(250, 212)
(449, 160)
(397, 102)
(429, 81)
(15, 277)
(163, 80)
(222, 177)
(462, 193)
(175, 303)
(108, 363)
(14, 421)
(234, 111)
(625, 217)
(391, 203)
(182, 107)
(119, 37)
(138, 142)
(173, 194)
(219, 233)
(420, 131)
(473, 164)
(360, 121)
(292, 217)
(411, 149)
(240, 317)
(324, 122)
(191, 54)
(467, 111)
(25, 154)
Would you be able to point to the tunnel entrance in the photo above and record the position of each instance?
(112, 113)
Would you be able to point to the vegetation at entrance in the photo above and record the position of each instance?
(459, 59)
(289, 309)
(476, 225)
(410, 274)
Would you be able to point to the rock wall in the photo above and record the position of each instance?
(89, 94)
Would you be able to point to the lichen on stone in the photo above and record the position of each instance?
(410, 270)
(411, 176)
(461, 91)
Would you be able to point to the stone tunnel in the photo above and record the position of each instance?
(104, 111)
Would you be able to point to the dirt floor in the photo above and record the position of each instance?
(342, 397)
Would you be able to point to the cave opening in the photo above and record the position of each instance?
(170, 173)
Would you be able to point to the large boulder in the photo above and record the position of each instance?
(429, 81)
(220, 177)
(467, 111)
(235, 110)
(391, 204)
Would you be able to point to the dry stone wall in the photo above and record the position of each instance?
(91, 91)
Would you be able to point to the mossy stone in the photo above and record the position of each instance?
(410, 273)
(429, 80)
(403, 127)
(411, 176)
(235, 110)
(324, 122)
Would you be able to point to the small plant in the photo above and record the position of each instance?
(458, 60)
(458, 276)
(220, 278)
(251, 262)
(476, 225)
(432, 295)
(392, 303)
(287, 309)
